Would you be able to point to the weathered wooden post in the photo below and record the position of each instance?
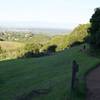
(75, 69)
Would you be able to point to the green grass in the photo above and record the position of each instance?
(19, 77)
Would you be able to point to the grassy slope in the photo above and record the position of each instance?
(18, 77)
(10, 45)
(10, 49)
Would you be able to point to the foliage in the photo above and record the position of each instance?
(59, 40)
(65, 41)
(31, 47)
(15, 36)
(76, 43)
(78, 34)
(52, 48)
(94, 30)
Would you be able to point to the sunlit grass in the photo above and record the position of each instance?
(5, 45)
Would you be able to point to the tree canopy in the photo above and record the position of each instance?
(94, 30)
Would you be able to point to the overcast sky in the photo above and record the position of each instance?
(47, 13)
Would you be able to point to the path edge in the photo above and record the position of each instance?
(85, 76)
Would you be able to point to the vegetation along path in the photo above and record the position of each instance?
(93, 84)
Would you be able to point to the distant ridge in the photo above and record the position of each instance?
(51, 31)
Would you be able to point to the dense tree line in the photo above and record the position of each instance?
(94, 31)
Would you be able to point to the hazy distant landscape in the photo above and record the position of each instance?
(46, 31)
(35, 41)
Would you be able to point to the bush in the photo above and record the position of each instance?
(31, 47)
(78, 34)
(76, 44)
(52, 48)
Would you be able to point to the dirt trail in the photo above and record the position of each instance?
(93, 84)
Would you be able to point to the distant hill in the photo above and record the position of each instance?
(51, 31)
(48, 31)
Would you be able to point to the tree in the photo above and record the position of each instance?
(94, 30)
(52, 48)
(78, 34)
(31, 47)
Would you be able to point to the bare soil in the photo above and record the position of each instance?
(93, 84)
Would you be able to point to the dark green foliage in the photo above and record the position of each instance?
(29, 54)
(35, 55)
(32, 50)
(76, 43)
(52, 48)
(94, 30)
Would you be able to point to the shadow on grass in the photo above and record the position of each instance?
(1, 81)
(33, 93)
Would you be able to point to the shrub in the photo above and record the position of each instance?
(52, 48)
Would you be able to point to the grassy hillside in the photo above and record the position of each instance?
(19, 78)
(7, 45)
(39, 38)
(11, 50)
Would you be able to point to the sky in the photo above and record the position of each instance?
(46, 13)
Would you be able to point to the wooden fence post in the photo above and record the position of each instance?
(75, 70)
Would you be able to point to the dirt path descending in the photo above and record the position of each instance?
(93, 84)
